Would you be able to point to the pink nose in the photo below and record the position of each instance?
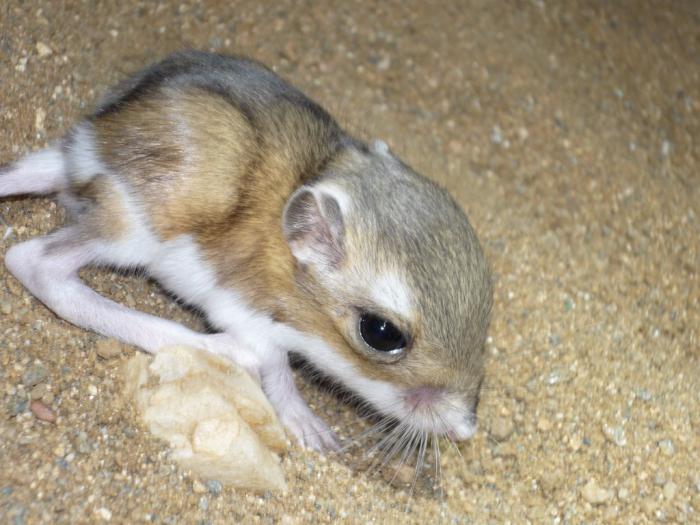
(423, 396)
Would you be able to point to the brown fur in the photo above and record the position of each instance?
(220, 169)
(102, 208)
(208, 173)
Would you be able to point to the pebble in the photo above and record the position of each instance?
(21, 65)
(5, 307)
(544, 424)
(496, 135)
(14, 287)
(214, 486)
(384, 63)
(43, 50)
(505, 450)
(399, 475)
(104, 513)
(17, 514)
(670, 490)
(198, 487)
(19, 404)
(501, 428)
(666, 446)
(39, 118)
(108, 348)
(643, 394)
(695, 502)
(83, 443)
(39, 391)
(595, 494)
(203, 503)
(623, 494)
(615, 435)
(551, 480)
(35, 375)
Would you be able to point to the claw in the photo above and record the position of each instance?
(308, 429)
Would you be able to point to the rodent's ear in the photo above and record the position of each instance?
(313, 227)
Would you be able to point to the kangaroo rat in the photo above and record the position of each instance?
(247, 200)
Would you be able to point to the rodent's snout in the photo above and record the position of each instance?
(436, 410)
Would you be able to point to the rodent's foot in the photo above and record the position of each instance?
(309, 430)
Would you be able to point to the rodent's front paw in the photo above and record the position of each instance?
(309, 430)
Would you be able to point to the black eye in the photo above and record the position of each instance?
(380, 334)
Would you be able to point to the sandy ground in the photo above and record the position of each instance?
(569, 131)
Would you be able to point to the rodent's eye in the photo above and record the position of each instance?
(381, 334)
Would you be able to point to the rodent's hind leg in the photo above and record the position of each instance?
(309, 430)
(40, 172)
(48, 268)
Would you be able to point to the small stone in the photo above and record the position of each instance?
(35, 375)
(198, 487)
(384, 63)
(21, 65)
(659, 479)
(623, 494)
(399, 475)
(19, 404)
(204, 503)
(594, 494)
(496, 135)
(501, 428)
(665, 148)
(48, 398)
(16, 514)
(544, 424)
(92, 390)
(615, 435)
(695, 502)
(39, 118)
(504, 450)
(643, 394)
(666, 446)
(83, 445)
(214, 487)
(551, 480)
(5, 307)
(670, 490)
(39, 391)
(108, 348)
(649, 506)
(104, 513)
(43, 50)
(557, 376)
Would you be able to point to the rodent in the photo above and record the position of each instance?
(248, 201)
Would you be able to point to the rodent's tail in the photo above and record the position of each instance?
(40, 172)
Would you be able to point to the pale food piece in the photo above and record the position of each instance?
(212, 413)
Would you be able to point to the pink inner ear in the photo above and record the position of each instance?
(314, 232)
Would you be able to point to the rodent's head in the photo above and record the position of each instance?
(396, 268)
